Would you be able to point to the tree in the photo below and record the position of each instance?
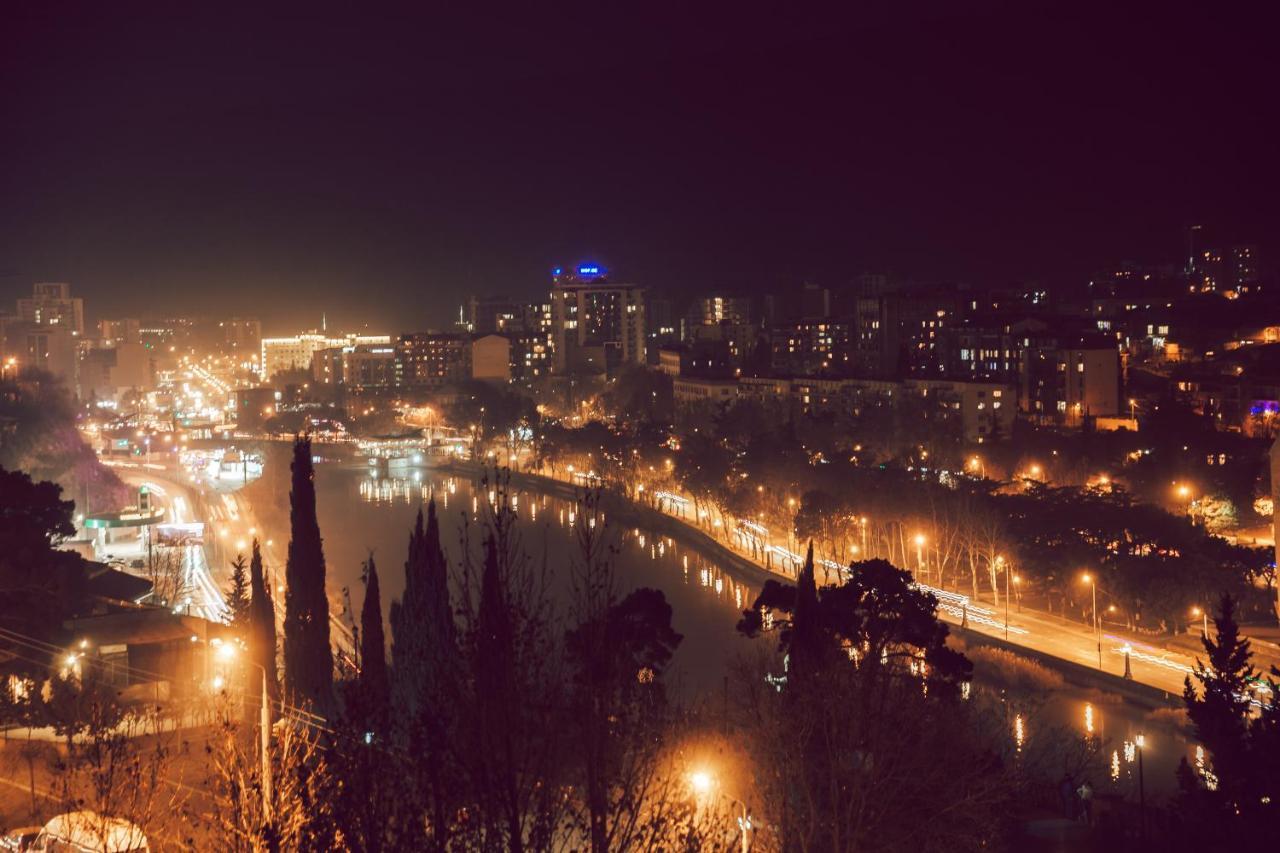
(1219, 710)
(374, 685)
(867, 719)
(262, 619)
(38, 584)
(238, 596)
(617, 653)
(511, 739)
(308, 657)
(426, 686)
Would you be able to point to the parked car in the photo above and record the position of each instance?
(89, 832)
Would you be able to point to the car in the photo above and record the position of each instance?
(89, 832)
(19, 840)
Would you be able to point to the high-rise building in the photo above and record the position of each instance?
(242, 334)
(123, 331)
(51, 304)
(1244, 270)
(432, 359)
(488, 314)
(597, 325)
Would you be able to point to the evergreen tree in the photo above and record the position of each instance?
(238, 602)
(423, 635)
(262, 619)
(425, 684)
(308, 658)
(1219, 710)
(374, 685)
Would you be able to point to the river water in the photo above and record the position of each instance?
(362, 514)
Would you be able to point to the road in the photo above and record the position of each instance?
(230, 526)
(1158, 667)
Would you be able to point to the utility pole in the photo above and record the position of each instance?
(266, 747)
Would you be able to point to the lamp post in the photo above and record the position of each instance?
(920, 553)
(703, 783)
(862, 522)
(1204, 620)
(1097, 631)
(226, 652)
(1000, 562)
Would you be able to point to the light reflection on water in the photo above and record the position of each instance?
(419, 488)
(706, 602)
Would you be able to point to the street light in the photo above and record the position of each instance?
(704, 784)
(1000, 562)
(1097, 631)
(227, 652)
(920, 552)
(976, 464)
(1204, 617)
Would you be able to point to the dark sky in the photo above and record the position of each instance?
(379, 166)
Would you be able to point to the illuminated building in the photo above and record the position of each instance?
(296, 353)
(51, 304)
(596, 325)
(432, 359)
(356, 368)
(125, 331)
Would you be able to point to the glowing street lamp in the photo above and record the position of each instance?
(1097, 630)
(704, 784)
(920, 552)
(1204, 620)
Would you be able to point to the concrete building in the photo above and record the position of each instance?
(689, 391)
(432, 359)
(53, 349)
(363, 367)
(242, 334)
(296, 353)
(109, 373)
(597, 326)
(1068, 379)
(980, 411)
(124, 331)
(491, 358)
(51, 304)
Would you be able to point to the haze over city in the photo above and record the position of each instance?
(236, 156)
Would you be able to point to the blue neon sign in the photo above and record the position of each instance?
(588, 269)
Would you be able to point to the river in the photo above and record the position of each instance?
(361, 514)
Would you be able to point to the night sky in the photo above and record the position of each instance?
(379, 166)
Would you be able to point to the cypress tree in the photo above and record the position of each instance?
(308, 658)
(238, 602)
(424, 654)
(262, 619)
(808, 641)
(374, 685)
(422, 628)
(1219, 712)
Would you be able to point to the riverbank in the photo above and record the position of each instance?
(633, 515)
(1142, 694)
